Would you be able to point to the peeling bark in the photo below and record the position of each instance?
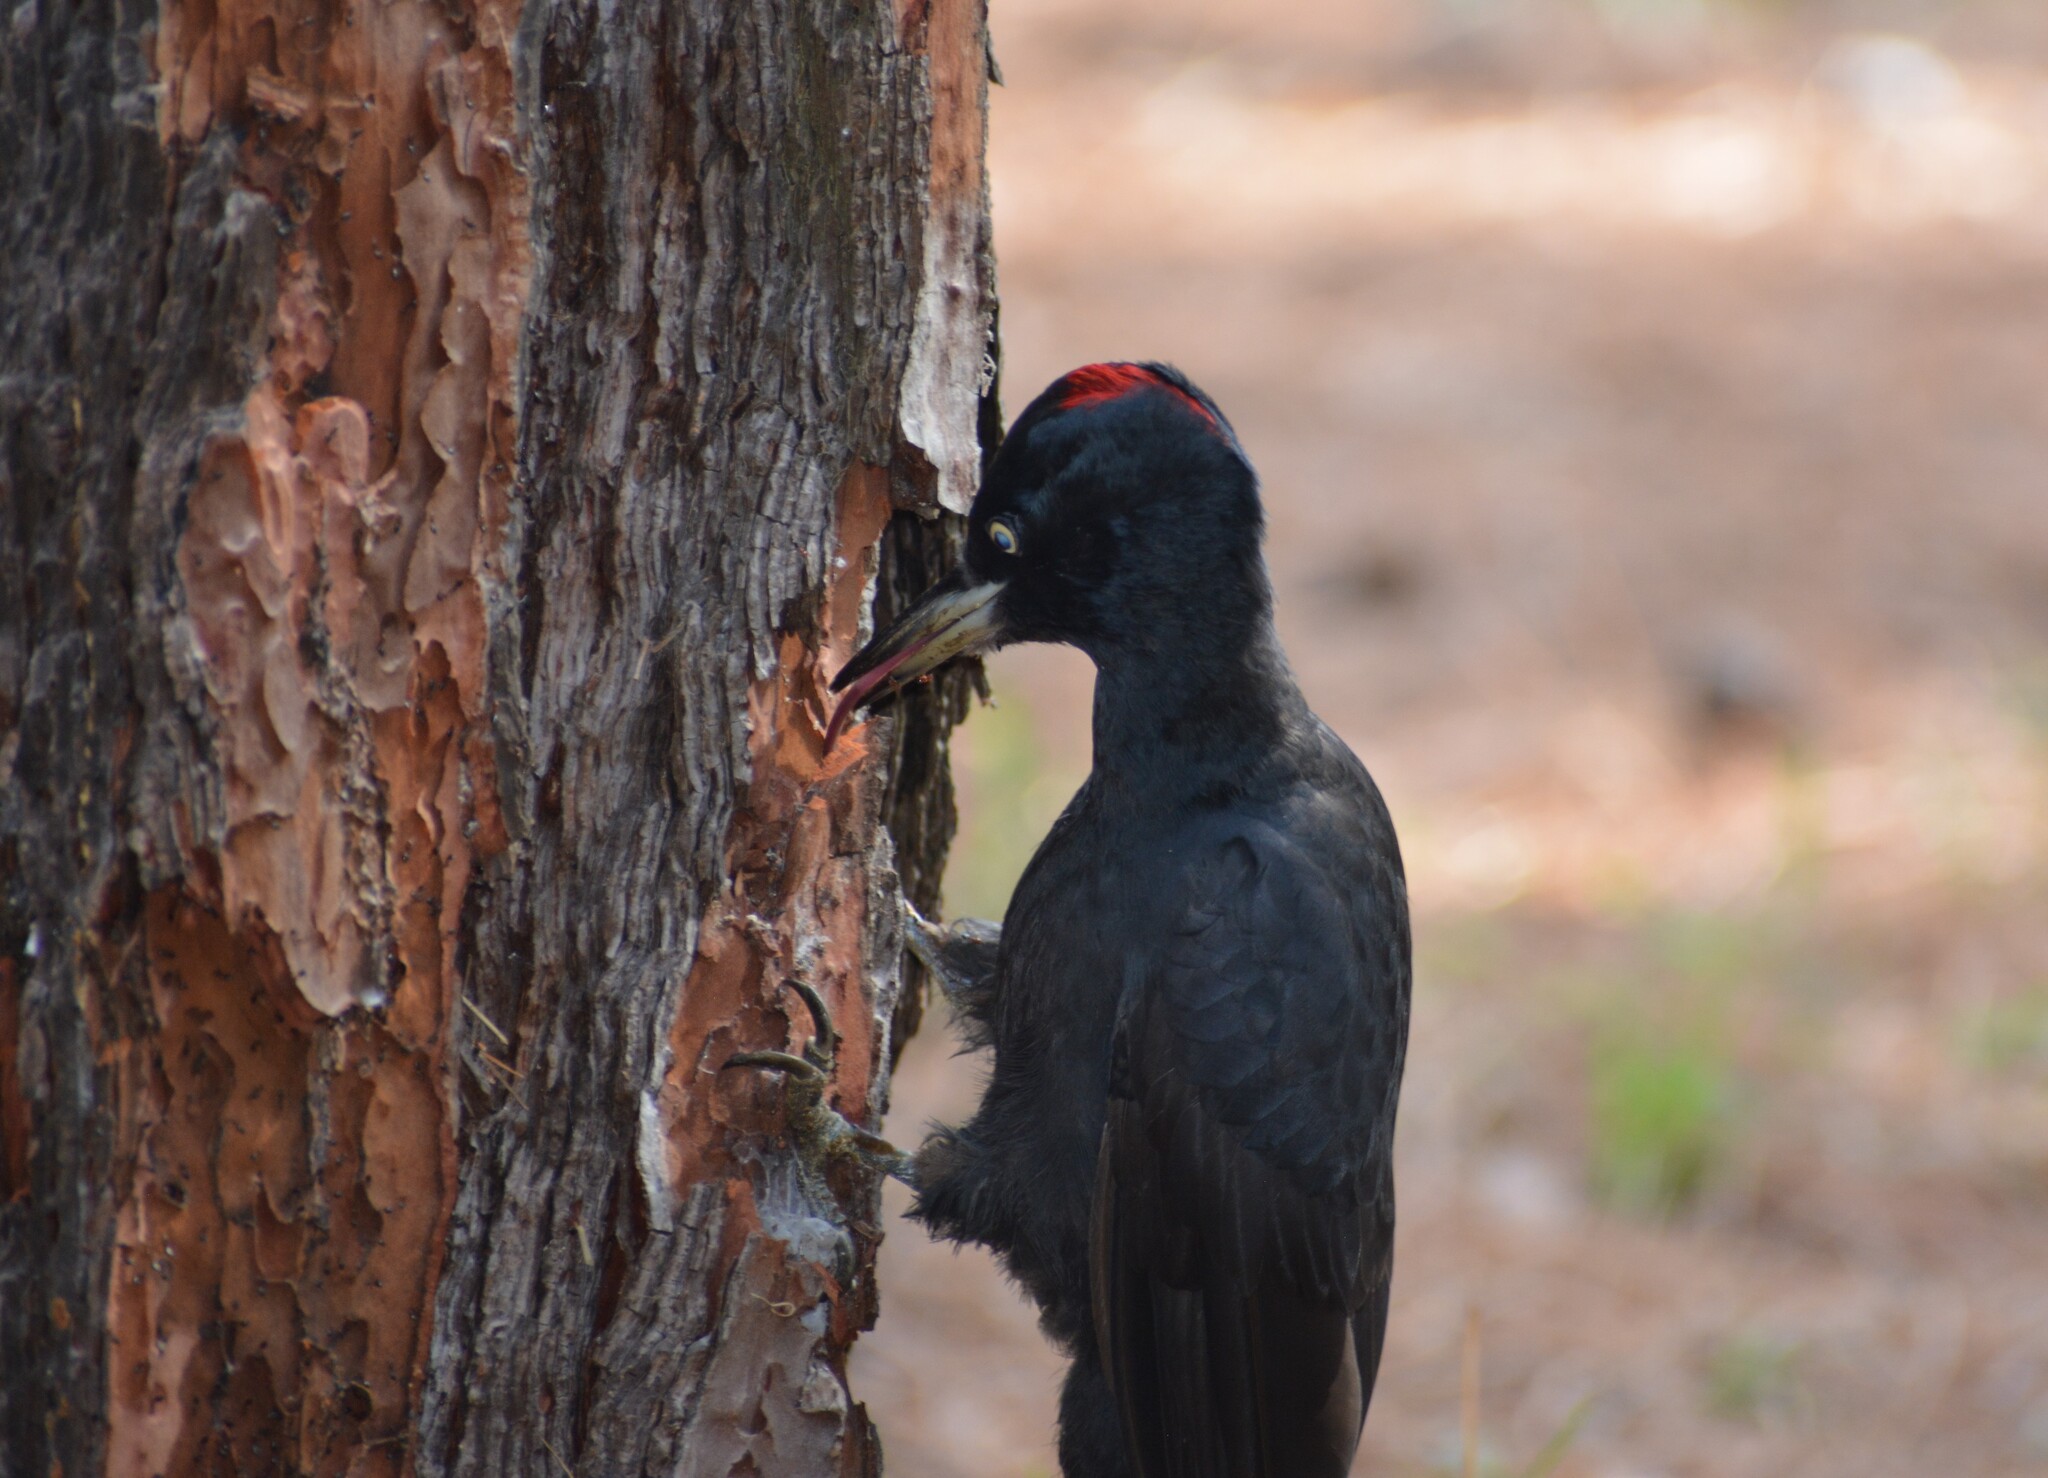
(444, 449)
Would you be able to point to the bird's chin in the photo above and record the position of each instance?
(956, 618)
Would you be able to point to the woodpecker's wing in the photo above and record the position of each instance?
(1243, 1220)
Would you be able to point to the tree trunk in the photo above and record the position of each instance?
(444, 449)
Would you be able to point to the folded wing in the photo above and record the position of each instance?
(1243, 1220)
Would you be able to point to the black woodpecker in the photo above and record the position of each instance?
(1198, 999)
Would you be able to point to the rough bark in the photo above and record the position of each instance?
(443, 451)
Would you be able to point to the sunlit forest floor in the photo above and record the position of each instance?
(1652, 400)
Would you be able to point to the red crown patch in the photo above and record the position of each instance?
(1095, 384)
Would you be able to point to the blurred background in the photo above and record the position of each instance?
(1652, 402)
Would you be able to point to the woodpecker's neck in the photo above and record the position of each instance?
(1182, 716)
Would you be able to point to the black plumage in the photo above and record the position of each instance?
(1198, 1002)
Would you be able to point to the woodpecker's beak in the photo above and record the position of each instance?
(957, 616)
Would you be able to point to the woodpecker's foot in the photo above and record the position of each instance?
(961, 957)
(821, 1134)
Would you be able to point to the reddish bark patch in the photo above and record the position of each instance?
(291, 1164)
(799, 853)
(335, 548)
(275, 1238)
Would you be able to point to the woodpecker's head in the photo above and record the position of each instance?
(1120, 516)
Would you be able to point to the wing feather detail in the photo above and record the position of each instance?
(1242, 1230)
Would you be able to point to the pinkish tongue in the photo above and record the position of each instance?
(857, 694)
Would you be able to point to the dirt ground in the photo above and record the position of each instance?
(1652, 400)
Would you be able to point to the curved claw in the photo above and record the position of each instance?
(800, 1068)
(823, 1049)
(920, 934)
(960, 958)
(819, 1132)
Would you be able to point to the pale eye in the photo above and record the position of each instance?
(1002, 535)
